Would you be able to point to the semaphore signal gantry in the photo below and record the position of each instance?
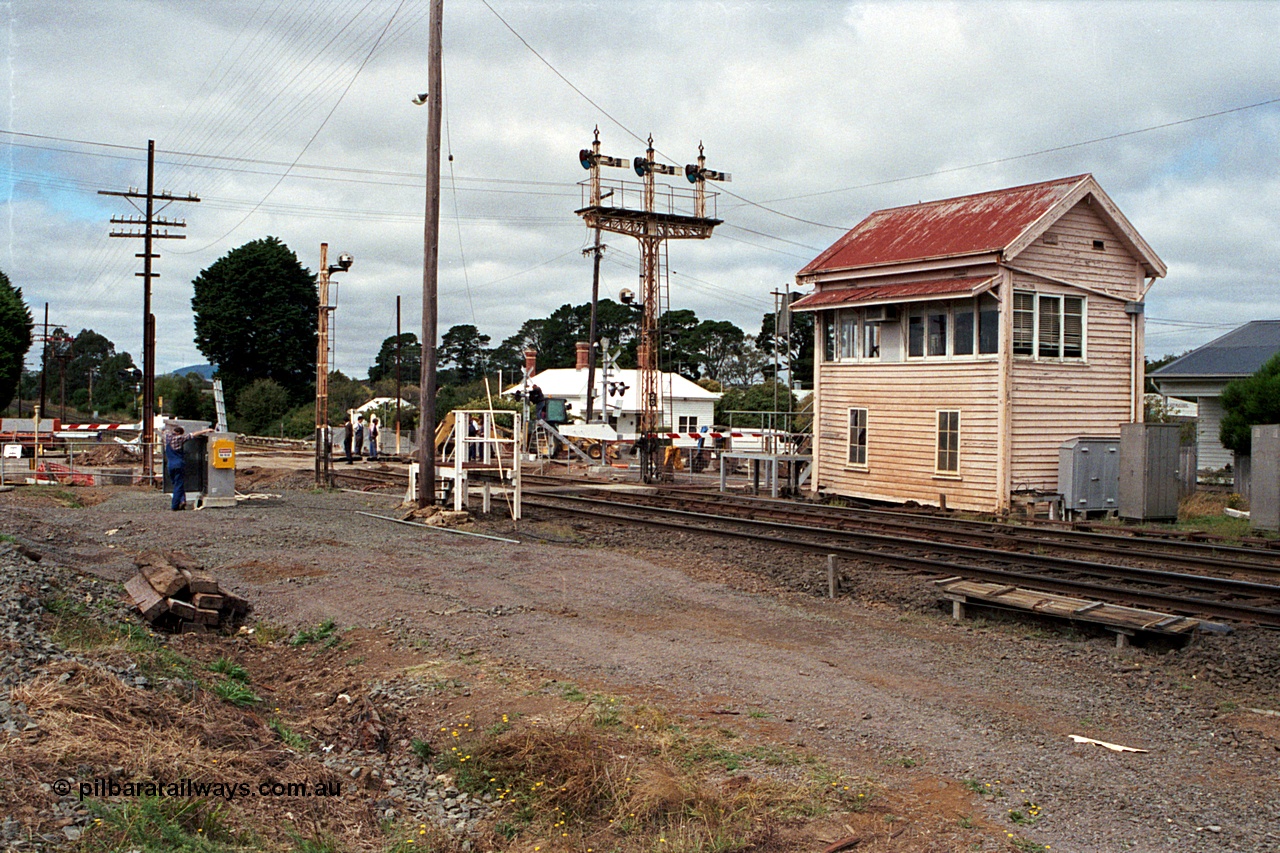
(665, 213)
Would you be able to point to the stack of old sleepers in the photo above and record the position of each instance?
(175, 594)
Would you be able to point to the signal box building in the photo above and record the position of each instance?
(961, 341)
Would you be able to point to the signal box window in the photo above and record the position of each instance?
(858, 437)
(948, 442)
(1048, 326)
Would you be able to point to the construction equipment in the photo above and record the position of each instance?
(444, 431)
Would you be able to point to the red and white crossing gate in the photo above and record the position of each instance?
(735, 434)
(96, 427)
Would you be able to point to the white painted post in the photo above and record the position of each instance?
(515, 465)
(459, 483)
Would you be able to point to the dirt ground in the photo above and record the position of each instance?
(961, 730)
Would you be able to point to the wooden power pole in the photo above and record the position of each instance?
(430, 266)
(149, 222)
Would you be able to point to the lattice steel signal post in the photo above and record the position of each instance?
(660, 218)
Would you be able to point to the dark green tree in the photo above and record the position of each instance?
(561, 332)
(89, 352)
(717, 344)
(1152, 365)
(738, 405)
(255, 318)
(261, 405)
(508, 356)
(384, 366)
(617, 322)
(16, 326)
(801, 350)
(464, 351)
(115, 390)
(185, 397)
(344, 394)
(679, 348)
(1248, 402)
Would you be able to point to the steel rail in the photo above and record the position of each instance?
(1182, 604)
(1205, 583)
(1187, 553)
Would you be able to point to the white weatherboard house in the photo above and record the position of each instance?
(962, 341)
(686, 406)
(1201, 375)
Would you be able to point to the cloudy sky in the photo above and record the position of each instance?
(293, 118)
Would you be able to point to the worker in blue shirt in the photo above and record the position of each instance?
(174, 439)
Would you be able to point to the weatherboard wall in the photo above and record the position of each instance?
(1053, 401)
(1073, 258)
(902, 401)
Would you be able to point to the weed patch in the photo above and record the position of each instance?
(323, 632)
(290, 738)
(235, 692)
(161, 825)
(230, 669)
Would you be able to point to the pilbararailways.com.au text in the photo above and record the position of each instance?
(191, 788)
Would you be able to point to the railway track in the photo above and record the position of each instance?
(1203, 580)
(1219, 559)
(1184, 593)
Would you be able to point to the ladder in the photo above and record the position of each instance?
(220, 405)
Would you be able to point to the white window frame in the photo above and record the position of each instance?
(687, 423)
(847, 345)
(1043, 324)
(850, 446)
(949, 309)
(939, 450)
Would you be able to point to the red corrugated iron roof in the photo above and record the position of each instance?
(968, 225)
(847, 296)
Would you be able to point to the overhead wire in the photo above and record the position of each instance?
(314, 135)
(1043, 151)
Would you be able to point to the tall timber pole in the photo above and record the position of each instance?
(430, 267)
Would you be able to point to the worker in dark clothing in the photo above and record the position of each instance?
(347, 430)
(539, 402)
(359, 448)
(174, 440)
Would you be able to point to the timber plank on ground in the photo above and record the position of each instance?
(1125, 621)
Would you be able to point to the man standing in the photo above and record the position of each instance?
(539, 402)
(175, 438)
(347, 430)
(359, 436)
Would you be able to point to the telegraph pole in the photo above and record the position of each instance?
(149, 222)
(398, 343)
(44, 356)
(590, 158)
(430, 266)
(596, 250)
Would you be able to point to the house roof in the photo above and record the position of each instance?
(844, 297)
(379, 402)
(1003, 221)
(571, 383)
(1237, 353)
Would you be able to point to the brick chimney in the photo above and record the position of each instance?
(584, 354)
(531, 361)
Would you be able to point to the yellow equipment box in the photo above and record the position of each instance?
(223, 453)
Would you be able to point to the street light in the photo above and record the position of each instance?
(324, 443)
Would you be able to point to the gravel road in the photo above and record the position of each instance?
(880, 680)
